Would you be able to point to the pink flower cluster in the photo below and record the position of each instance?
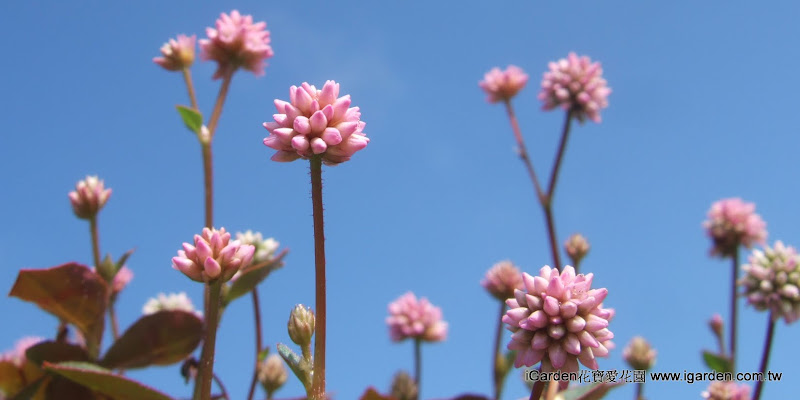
(177, 54)
(577, 84)
(17, 355)
(89, 197)
(559, 320)
(502, 279)
(731, 223)
(503, 85)
(726, 390)
(237, 42)
(772, 281)
(213, 256)
(316, 122)
(416, 319)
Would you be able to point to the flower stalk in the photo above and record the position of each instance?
(498, 368)
(259, 344)
(765, 355)
(206, 367)
(318, 382)
(734, 307)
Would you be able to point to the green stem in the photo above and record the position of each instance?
(93, 344)
(187, 77)
(418, 365)
(765, 356)
(259, 345)
(318, 381)
(206, 366)
(497, 373)
(734, 307)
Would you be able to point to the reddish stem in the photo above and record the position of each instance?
(765, 356)
(497, 356)
(257, 318)
(734, 307)
(318, 383)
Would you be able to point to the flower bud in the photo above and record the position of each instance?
(272, 374)
(301, 325)
(716, 325)
(639, 354)
(502, 279)
(89, 197)
(213, 256)
(576, 247)
(177, 54)
(403, 386)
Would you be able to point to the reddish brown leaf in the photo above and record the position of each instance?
(104, 381)
(372, 394)
(163, 338)
(71, 292)
(55, 352)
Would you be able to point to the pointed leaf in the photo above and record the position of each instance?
(251, 277)
(298, 365)
(263, 354)
(162, 338)
(54, 352)
(717, 362)
(191, 118)
(104, 381)
(70, 291)
(124, 258)
(372, 394)
(594, 391)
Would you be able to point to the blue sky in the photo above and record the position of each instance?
(704, 95)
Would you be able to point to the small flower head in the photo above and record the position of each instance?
(416, 319)
(264, 249)
(726, 390)
(213, 256)
(731, 223)
(121, 279)
(638, 354)
(503, 85)
(170, 302)
(772, 281)
(502, 279)
(403, 386)
(576, 247)
(89, 197)
(17, 355)
(177, 54)
(301, 325)
(316, 122)
(237, 42)
(575, 83)
(716, 325)
(272, 374)
(559, 320)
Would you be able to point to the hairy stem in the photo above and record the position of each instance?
(497, 355)
(259, 345)
(206, 367)
(318, 382)
(765, 356)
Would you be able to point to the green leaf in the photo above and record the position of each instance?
(263, 354)
(594, 391)
(250, 277)
(54, 352)
(107, 269)
(191, 118)
(32, 391)
(104, 381)
(123, 259)
(300, 367)
(71, 291)
(717, 362)
(162, 338)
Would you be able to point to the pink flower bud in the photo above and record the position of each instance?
(731, 223)
(503, 85)
(272, 374)
(213, 256)
(89, 197)
(576, 247)
(237, 42)
(502, 279)
(417, 319)
(772, 281)
(577, 84)
(17, 355)
(173, 301)
(726, 390)
(177, 54)
(716, 325)
(316, 122)
(403, 387)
